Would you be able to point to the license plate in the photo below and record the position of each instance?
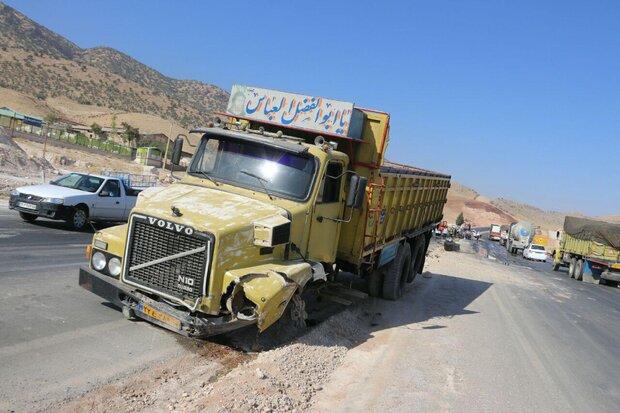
(26, 205)
(158, 315)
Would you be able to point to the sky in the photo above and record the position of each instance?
(516, 99)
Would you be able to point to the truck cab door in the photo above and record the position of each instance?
(109, 202)
(325, 232)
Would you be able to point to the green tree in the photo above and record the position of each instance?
(460, 219)
(97, 130)
(114, 127)
(131, 134)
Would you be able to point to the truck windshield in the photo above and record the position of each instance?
(78, 181)
(255, 166)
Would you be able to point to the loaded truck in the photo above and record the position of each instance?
(503, 234)
(590, 249)
(283, 192)
(494, 232)
(520, 235)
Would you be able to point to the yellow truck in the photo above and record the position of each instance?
(590, 249)
(279, 198)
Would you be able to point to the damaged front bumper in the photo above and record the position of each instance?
(136, 304)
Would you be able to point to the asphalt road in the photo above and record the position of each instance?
(487, 335)
(56, 339)
(482, 334)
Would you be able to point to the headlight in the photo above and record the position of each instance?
(98, 261)
(14, 193)
(53, 200)
(114, 266)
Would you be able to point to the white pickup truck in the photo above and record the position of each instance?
(76, 198)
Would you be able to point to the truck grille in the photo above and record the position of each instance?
(160, 258)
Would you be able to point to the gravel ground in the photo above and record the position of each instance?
(284, 379)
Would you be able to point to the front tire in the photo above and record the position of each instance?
(397, 273)
(27, 217)
(78, 219)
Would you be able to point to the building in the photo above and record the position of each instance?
(14, 120)
(160, 138)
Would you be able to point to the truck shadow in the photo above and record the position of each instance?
(426, 305)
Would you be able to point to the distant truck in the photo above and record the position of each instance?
(540, 239)
(494, 232)
(520, 236)
(503, 234)
(590, 249)
(76, 198)
(275, 202)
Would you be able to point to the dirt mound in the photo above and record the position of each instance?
(16, 161)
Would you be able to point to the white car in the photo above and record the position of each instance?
(535, 252)
(76, 198)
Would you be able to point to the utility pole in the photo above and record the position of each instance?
(163, 165)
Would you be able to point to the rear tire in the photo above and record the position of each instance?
(579, 270)
(571, 267)
(374, 281)
(417, 260)
(608, 283)
(27, 217)
(397, 273)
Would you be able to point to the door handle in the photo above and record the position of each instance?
(117, 202)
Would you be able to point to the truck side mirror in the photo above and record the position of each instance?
(175, 158)
(357, 191)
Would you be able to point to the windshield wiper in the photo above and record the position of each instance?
(260, 180)
(206, 175)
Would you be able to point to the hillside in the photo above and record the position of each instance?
(483, 211)
(476, 208)
(43, 64)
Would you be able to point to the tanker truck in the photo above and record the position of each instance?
(283, 192)
(520, 235)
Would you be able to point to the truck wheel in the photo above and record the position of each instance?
(417, 260)
(78, 219)
(397, 273)
(571, 267)
(579, 270)
(291, 324)
(27, 217)
(608, 283)
(374, 281)
(556, 267)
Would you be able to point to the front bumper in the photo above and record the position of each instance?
(42, 209)
(139, 305)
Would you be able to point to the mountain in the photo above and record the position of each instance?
(483, 211)
(40, 63)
